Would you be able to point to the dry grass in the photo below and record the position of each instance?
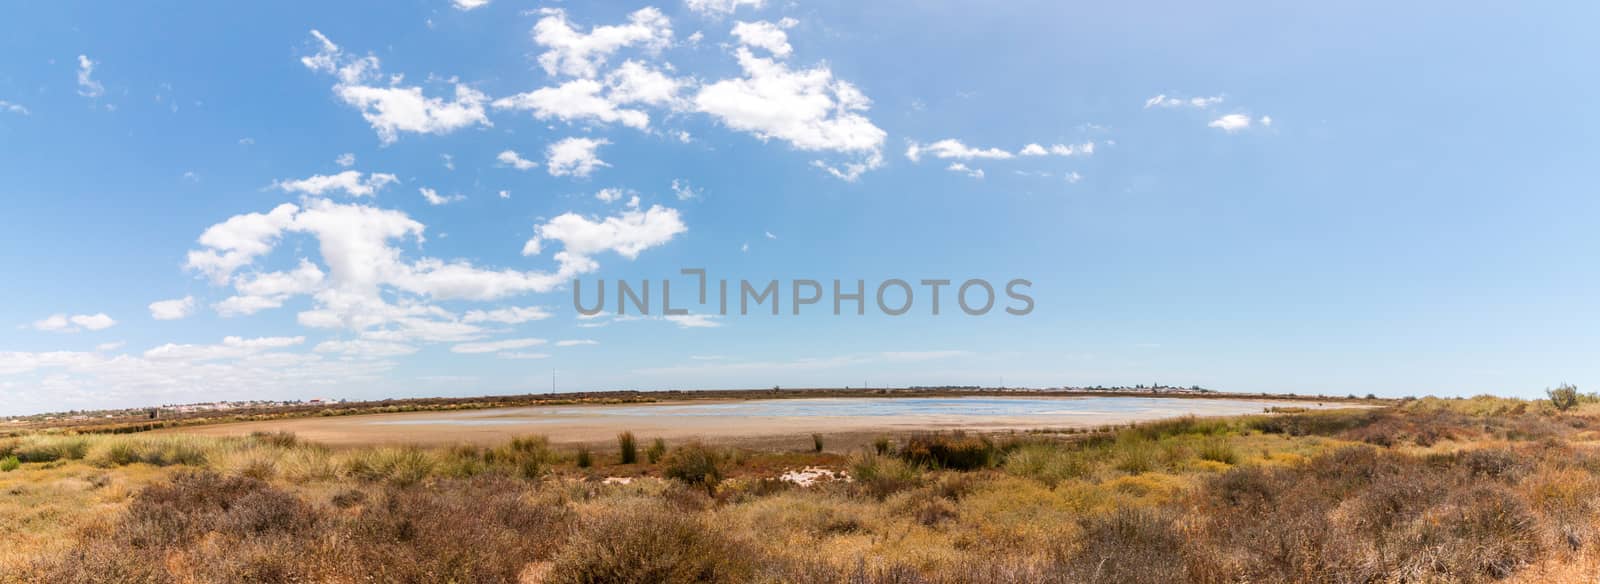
(1473, 490)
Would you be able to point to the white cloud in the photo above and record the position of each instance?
(504, 194)
(950, 148)
(765, 35)
(574, 157)
(496, 346)
(62, 323)
(693, 320)
(361, 348)
(394, 109)
(346, 160)
(609, 195)
(627, 234)
(511, 315)
(349, 181)
(434, 198)
(231, 348)
(578, 54)
(1074, 177)
(590, 100)
(574, 100)
(721, 7)
(112, 346)
(262, 291)
(962, 168)
(465, 5)
(237, 241)
(172, 309)
(684, 191)
(576, 342)
(1195, 102)
(1230, 123)
(1266, 121)
(449, 161)
(770, 235)
(512, 159)
(1084, 149)
(807, 108)
(14, 108)
(87, 86)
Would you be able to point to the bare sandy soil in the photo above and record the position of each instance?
(720, 422)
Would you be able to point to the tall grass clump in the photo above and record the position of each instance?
(642, 542)
(399, 466)
(584, 458)
(1218, 450)
(695, 464)
(657, 449)
(279, 439)
(177, 450)
(1134, 454)
(9, 463)
(528, 456)
(1048, 463)
(51, 448)
(816, 442)
(628, 448)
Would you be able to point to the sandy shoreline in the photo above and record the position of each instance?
(695, 420)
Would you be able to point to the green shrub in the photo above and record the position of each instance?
(1564, 397)
(881, 476)
(1135, 455)
(695, 464)
(882, 445)
(658, 449)
(10, 463)
(628, 447)
(584, 458)
(816, 442)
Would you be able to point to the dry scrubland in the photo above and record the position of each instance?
(1431, 491)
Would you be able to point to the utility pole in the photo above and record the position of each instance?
(552, 380)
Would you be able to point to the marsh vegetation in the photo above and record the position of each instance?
(1431, 491)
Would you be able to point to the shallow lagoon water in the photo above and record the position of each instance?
(968, 408)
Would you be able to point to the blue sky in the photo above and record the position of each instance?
(231, 201)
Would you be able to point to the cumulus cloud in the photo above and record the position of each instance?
(349, 181)
(346, 160)
(512, 159)
(951, 148)
(574, 157)
(685, 191)
(87, 86)
(962, 168)
(366, 284)
(808, 108)
(765, 35)
(62, 323)
(576, 342)
(590, 100)
(172, 309)
(392, 109)
(465, 5)
(1230, 123)
(578, 54)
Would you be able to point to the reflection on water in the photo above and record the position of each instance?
(968, 408)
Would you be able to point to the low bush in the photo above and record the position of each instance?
(695, 464)
(1047, 462)
(643, 542)
(881, 476)
(1218, 450)
(10, 463)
